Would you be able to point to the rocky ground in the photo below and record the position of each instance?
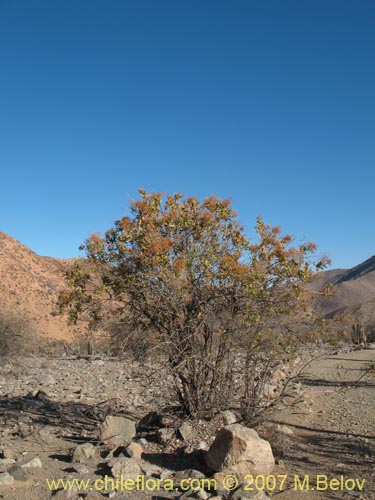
(51, 427)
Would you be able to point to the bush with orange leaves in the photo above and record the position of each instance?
(184, 273)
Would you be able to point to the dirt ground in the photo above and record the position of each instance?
(332, 435)
(336, 436)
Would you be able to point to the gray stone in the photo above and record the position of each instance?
(186, 431)
(166, 434)
(126, 467)
(17, 473)
(6, 478)
(189, 473)
(45, 435)
(83, 453)
(6, 461)
(202, 445)
(151, 470)
(48, 380)
(142, 442)
(186, 494)
(117, 431)
(201, 494)
(166, 473)
(229, 417)
(284, 429)
(25, 430)
(81, 469)
(34, 463)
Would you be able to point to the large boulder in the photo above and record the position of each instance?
(240, 450)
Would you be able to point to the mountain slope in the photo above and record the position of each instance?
(30, 284)
(353, 291)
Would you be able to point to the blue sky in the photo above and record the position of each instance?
(271, 103)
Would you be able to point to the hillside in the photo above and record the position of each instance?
(353, 291)
(30, 284)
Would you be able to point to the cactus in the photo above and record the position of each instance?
(358, 334)
(90, 348)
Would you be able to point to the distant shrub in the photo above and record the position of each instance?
(16, 333)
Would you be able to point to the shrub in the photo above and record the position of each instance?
(183, 273)
(16, 333)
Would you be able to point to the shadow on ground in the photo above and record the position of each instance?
(39, 409)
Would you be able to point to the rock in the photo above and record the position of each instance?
(201, 494)
(229, 417)
(186, 431)
(117, 430)
(5, 478)
(48, 380)
(134, 450)
(269, 391)
(83, 453)
(126, 467)
(202, 445)
(166, 434)
(220, 488)
(34, 463)
(166, 473)
(186, 494)
(284, 429)
(17, 473)
(9, 453)
(240, 450)
(189, 473)
(142, 442)
(25, 430)
(44, 435)
(153, 420)
(152, 470)
(81, 469)
(6, 461)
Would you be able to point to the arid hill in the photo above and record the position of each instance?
(353, 291)
(30, 284)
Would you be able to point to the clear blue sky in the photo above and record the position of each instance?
(271, 103)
